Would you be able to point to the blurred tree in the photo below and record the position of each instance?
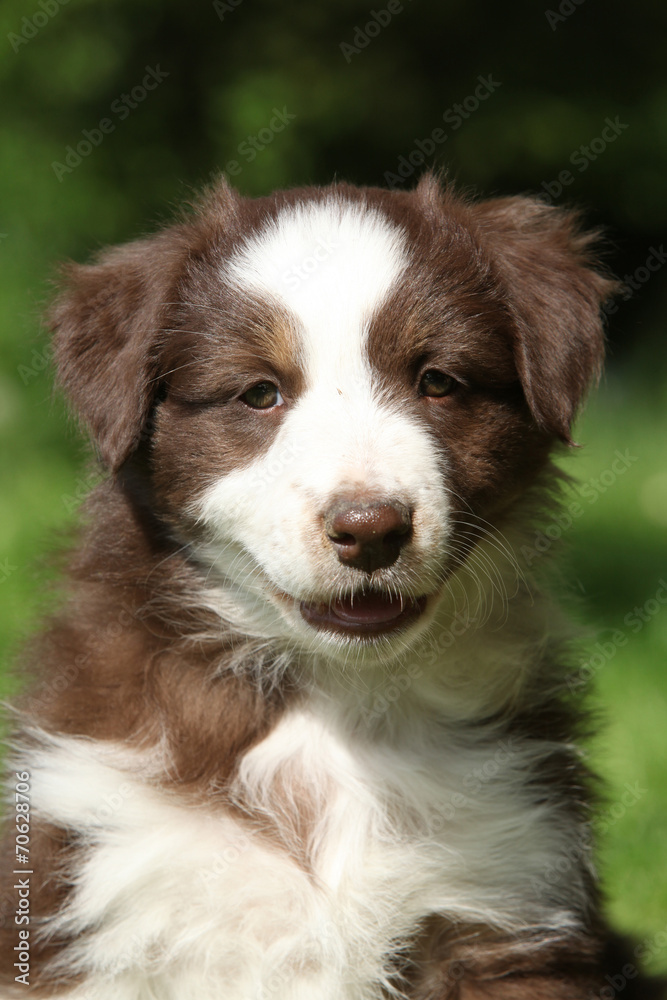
(366, 86)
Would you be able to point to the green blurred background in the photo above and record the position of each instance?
(362, 89)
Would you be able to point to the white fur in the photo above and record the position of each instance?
(177, 900)
(342, 436)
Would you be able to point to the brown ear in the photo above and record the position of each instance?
(107, 325)
(546, 266)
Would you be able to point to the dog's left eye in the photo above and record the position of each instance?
(436, 384)
(263, 396)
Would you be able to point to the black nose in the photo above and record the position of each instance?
(368, 535)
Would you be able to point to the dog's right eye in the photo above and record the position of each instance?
(263, 396)
(436, 384)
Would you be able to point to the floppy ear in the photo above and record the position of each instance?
(107, 325)
(546, 266)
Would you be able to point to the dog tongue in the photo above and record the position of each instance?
(368, 608)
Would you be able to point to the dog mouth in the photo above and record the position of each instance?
(367, 614)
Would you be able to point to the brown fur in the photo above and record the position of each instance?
(53, 857)
(153, 349)
(473, 963)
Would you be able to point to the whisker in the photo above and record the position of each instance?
(172, 370)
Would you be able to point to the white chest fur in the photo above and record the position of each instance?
(347, 845)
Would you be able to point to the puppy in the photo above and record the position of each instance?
(299, 730)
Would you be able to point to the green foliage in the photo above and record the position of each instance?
(617, 553)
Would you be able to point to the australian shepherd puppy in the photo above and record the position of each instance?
(299, 730)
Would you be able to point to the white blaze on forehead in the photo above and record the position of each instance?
(331, 264)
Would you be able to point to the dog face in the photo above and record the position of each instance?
(332, 394)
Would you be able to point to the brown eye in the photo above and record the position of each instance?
(263, 396)
(436, 384)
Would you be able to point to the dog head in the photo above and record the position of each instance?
(333, 390)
